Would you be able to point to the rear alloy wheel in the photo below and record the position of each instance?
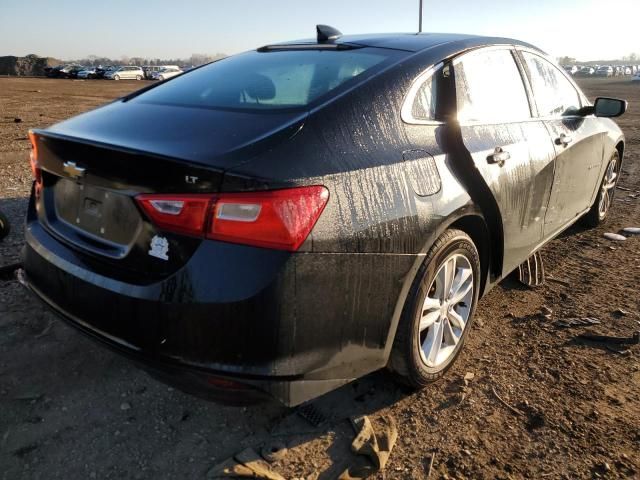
(439, 311)
(602, 205)
(161, 78)
(116, 77)
(445, 310)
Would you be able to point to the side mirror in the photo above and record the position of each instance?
(609, 107)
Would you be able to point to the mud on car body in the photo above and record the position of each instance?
(298, 216)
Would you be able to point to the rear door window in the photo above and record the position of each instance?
(553, 92)
(489, 88)
(272, 80)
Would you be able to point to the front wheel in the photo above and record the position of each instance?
(138, 77)
(116, 77)
(161, 78)
(599, 211)
(438, 312)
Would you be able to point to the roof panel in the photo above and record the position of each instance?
(415, 42)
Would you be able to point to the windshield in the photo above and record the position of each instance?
(268, 80)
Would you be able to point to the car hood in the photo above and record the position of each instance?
(211, 137)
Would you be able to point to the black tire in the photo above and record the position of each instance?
(595, 216)
(406, 360)
(5, 228)
(138, 77)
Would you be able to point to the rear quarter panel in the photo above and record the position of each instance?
(391, 196)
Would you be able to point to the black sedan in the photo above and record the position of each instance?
(283, 221)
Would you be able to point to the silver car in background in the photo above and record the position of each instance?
(89, 72)
(150, 70)
(128, 72)
(166, 73)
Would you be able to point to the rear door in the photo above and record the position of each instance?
(577, 141)
(510, 150)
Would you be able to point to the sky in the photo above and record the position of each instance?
(73, 29)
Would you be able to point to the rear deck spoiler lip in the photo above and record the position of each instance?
(46, 133)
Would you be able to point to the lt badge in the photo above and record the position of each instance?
(159, 247)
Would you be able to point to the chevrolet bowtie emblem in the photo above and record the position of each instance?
(71, 169)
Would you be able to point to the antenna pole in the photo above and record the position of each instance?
(420, 19)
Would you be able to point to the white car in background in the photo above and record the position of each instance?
(166, 73)
(125, 73)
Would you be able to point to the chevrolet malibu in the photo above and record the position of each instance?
(283, 221)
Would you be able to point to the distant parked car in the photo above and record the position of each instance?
(53, 72)
(150, 70)
(69, 70)
(604, 71)
(75, 70)
(585, 71)
(571, 69)
(128, 72)
(102, 71)
(61, 71)
(166, 73)
(636, 77)
(628, 71)
(87, 72)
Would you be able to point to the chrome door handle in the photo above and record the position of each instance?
(499, 156)
(564, 140)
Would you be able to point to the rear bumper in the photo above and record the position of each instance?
(287, 326)
(223, 389)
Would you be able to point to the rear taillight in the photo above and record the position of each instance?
(278, 219)
(185, 214)
(33, 159)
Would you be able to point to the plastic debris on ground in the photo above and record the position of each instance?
(531, 272)
(576, 322)
(375, 446)
(615, 237)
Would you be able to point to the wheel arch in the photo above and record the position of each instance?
(468, 219)
(476, 227)
(620, 148)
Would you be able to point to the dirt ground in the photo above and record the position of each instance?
(71, 409)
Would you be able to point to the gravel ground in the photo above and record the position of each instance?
(71, 409)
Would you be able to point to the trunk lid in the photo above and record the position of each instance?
(94, 165)
(210, 137)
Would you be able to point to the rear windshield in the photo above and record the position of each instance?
(272, 80)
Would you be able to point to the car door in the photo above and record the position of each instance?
(577, 142)
(510, 149)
